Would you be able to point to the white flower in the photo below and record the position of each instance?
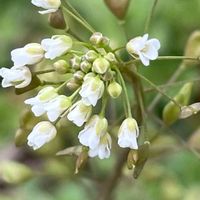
(43, 97)
(103, 148)
(144, 48)
(56, 46)
(91, 90)
(128, 133)
(50, 6)
(79, 113)
(57, 106)
(41, 134)
(28, 55)
(19, 77)
(94, 129)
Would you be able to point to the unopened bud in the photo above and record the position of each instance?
(187, 111)
(79, 75)
(81, 160)
(73, 84)
(56, 20)
(91, 56)
(85, 66)
(100, 65)
(114, 89)
(75, 62)
(110, 57)
(61, 66)
(99, 40)
(108, 75)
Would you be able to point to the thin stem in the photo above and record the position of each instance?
(104, 104)
(150, 16)
(125, 92)
(51, 83)
(118, 49)
(44, 71)
(158, 89)
(79, 20)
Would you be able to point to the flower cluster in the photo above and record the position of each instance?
(94, 76)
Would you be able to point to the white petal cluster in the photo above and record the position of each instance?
(79, 113)
(56, 46)
(19, 77)
(50, 6)
(95, 136)
(30, 54)
(91, 90)
(128, 133)
(43, 97)
(41, 134)
(146, 49)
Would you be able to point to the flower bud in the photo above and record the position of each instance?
(75, 62)
(73, 84)
(132, 158)
(56, 20)
(85, 66)
(99, 40)
(91, 55)
(14, 173)
(79, 75)
(110, 57)
(187, 111)
(114, 89)
(100, 65)
(108, 75)
(61, 66)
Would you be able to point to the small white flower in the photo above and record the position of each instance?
(56, 46)
(43, 97)
(128, 133)
(146, 49)
(57, 106)
(30, 54)
(103, 148)
(91, 90)
(94, 129)
(19, 77)
(41, 134)
(79, 113)
(50, 6)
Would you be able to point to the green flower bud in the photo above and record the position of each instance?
(14, 173)
(91, 56)
(73, 84)
(110, 57)
(75, 62)
(114, 89)
(99, 40)
(61, 66)
(100, 65)
(79, 75)
(171, 111)
(109, 75)
(85, 66)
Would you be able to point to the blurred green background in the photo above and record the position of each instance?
(173, 174)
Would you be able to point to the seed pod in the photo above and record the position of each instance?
(21, 137)
(118, 7)
(79, 75)
(85, 66)
(100, 65)
(114, 89)
(56, 20)
(171, 111)
(61, 66)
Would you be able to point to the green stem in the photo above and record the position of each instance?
(78, 20)
(103, 108)
(51, 83)
(150, 16)
(74, 94)
(44, 71)
(125, 92)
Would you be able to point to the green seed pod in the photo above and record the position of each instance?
(85, 66)
(73, 84)
(75, 62)
(79, 75)
(20, 137)
(100, 65)
(114, 89)
(61, 66)
(171, 111)
(91, 56)
(56, 20)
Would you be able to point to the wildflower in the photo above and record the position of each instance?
(30, 54)
(94, 129)
(79, 113)
(19, 77)
(103, 148)
(41, 134)
(57, 106)
(128, 133)
(50, 6)
(146, 49)
(56, 46)
(43, 97)
(92, 89)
